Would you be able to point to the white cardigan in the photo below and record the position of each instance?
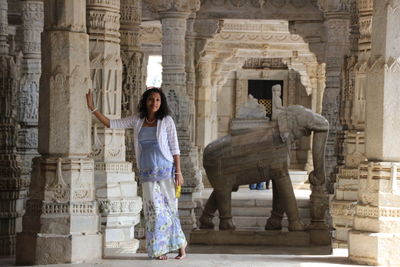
(166, 135)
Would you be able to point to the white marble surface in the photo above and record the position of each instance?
(338, 258)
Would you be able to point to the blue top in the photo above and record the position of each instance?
(153, 165)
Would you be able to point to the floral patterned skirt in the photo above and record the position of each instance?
(163, 229)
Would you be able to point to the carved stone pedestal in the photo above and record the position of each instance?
(119, 205)
(376, 231)
(61, 222)
(342, 207)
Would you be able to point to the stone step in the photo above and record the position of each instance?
(301, 203)
(253, 223)
(255, 198)
(263, 211)
(251, 208)
(266, 238)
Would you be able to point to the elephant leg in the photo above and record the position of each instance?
(225, 209)
(274, 222)
(287, 198)
(208, 213)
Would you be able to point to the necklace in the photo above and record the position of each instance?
(150, 122)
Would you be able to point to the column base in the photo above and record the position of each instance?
(342, 212)
(41, 249)
(121, 249)
(374, 248)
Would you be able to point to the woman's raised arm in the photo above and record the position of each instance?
(89, 100)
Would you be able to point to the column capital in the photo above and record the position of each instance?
(65, 15)
(175, 6)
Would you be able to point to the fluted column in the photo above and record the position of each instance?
(61, 223)
(12, 186)
(116, 188)
(375, 237)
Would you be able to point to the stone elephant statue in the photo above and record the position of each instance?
(249, 156)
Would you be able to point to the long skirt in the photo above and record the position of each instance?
(163, 229)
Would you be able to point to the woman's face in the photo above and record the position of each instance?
(153, 102)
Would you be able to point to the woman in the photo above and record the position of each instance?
(157, 155)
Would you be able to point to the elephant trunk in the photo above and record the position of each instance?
(317, 177)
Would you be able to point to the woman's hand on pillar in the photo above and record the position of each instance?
(89, 100)
(95, 112)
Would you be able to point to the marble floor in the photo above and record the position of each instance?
(236, 259)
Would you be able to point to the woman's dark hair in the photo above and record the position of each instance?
(162, 112)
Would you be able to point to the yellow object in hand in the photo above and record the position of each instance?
(178, 191)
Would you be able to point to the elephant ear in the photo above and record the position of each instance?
(286, 124)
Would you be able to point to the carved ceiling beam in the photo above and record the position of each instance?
(150, 34)
(260, 9)
(185, 6)
(335, 5)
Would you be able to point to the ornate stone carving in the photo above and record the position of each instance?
(259, 63)
(174, 5)
(115, 207)
(336, 50)
(335, 6)
(117, 79)
(150, 35)
(13, 184)
(103, 21)
(56, 180)
(259, 9)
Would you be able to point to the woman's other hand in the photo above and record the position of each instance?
(89, 100)
(179, 179)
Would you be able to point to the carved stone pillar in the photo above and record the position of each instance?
(353, 118)
(337, 24)
(174, 15)
(133, 80)
(116, 188)
(191, 73)
(12, 185)
(375, 237)
(28, 106)
(376, 228)
(61, 223)
(132, 58)
(3, 28)
(203, 95)
(205, 84)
